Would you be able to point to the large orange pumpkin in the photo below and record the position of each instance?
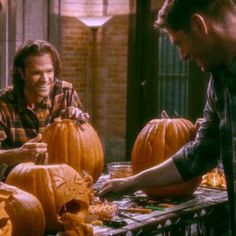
(59, 188)
(20, 213)
(156, 142)
(77, 145)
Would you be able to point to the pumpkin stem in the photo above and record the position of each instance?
(164, 115)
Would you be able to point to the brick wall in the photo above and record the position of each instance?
(96, 63)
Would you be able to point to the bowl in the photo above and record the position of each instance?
(120, 169)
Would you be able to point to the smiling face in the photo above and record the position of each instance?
(38, 77)
(204, 50)
(203, 43)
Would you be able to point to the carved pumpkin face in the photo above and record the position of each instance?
(156, 142)
(18, 211)
(77, 145)
(59, 188)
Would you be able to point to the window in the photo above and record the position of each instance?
(173, 79)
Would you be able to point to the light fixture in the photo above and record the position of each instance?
(94, 22)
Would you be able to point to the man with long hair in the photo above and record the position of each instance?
(37, 97)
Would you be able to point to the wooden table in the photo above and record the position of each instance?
(198, 215)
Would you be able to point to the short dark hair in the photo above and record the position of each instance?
(176, 14)
(29, 48)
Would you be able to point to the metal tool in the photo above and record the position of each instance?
(125, 215)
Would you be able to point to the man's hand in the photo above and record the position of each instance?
(32, 149)
(121, 186)
(198, 123)
(75, 114)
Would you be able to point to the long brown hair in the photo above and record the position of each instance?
(29, 48)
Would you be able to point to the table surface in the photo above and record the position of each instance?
(196, 206)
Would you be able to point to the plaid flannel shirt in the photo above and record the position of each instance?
(18, 124)
(216, 137)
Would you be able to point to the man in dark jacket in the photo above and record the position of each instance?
(204, 31)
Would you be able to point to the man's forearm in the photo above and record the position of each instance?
(9, 157)
(162, 175)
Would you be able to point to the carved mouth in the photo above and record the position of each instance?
(72, 206)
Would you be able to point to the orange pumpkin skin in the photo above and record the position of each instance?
(77, 145)
(156, 142)
(59, 188)
(5, 219)
(23, 212)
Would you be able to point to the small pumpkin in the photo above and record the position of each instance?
(156, 142)
(75, 144)
(20, 213)
(59, 188)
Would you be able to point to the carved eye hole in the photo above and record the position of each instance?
(72, 206)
